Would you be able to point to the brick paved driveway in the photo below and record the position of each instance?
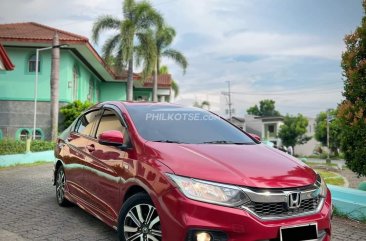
(28, 211)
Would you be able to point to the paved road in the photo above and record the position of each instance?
(28, 211)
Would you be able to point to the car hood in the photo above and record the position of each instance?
(256, 165)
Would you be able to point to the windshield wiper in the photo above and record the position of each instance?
(227, 142)
(168, 141)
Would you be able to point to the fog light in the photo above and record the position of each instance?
(206, 235)
(203, 236)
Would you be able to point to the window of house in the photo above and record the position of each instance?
(38, 135)
(91, 90)
(75, 78)
(32, 64)
(98, 95)
(86, 122)
(1, 134)
(24, 134)
(271, 128)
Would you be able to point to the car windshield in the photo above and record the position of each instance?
(174, 124)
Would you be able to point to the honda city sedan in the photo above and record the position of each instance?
(164, 172)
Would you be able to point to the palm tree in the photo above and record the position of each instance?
(134, 33)
(164, 70)
(164, 37)
(202, 105)
(175, 88)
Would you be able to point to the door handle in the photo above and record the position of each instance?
(90, 148)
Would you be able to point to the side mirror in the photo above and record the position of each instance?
(111, 138)
(255, 136)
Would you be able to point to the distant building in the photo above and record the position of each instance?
(266, 128)
(238, 121)
(308, 148)
(83, 76)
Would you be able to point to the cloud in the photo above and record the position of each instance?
(260, 46)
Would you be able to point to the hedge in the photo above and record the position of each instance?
(10, 146)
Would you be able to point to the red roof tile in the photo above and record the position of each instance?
(124, 74)
(164, 80)
(35, 31)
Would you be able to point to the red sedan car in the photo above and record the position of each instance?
(157, 171)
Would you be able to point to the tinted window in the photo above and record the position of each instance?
(109, 121)
(184, 125)
(85, 123)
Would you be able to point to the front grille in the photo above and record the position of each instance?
(280, 209)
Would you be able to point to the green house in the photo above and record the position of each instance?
(83, 76)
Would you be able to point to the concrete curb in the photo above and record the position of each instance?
(348, 201)
(31, 157)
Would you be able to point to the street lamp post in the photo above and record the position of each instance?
(329, 119)
(328, 158)
(36, 85)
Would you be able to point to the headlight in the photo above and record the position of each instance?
(322, 186)
(210, 192)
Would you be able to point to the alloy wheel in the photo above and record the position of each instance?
(142, 223)
(60, 185)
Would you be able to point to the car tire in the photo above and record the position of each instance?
(139, 220)
(60, 188)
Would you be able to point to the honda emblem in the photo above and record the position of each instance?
(294, 200)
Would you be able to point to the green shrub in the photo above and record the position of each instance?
(10, 146)
(37, 146)
(71, 111)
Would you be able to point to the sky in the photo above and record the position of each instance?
(285, 50)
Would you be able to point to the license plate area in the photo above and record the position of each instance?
(299, 233)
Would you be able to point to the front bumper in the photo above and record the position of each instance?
(179, 214)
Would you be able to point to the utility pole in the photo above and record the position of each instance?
(328, 159)
(230, 104)
(329, 119)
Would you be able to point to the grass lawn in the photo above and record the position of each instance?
(26, 164)
(331, 177)
(317, 164)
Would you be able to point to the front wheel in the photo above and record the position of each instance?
(139, 220)
(60, 187)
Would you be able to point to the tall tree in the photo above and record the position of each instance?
(55, 75)
(204, 104)
(164, 37)
(164, 70)
(293, 130)
(266, 108)
(175, 88)
(134, 33)
(352, 111)
(334, 130)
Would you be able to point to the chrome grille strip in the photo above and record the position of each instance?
(273, 205)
